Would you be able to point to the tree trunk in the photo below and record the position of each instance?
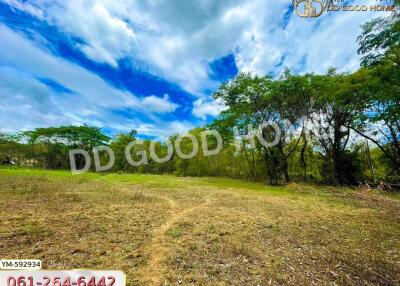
(303, 162)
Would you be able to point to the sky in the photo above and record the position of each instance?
(153, 65)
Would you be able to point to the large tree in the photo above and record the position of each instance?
(254, 100)
(59, 140)
(380, 39)
(335, 106)
(380, 50)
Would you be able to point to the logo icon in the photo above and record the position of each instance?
(309, 8)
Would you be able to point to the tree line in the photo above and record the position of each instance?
(336, 128)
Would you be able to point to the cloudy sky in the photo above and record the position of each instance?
(152, 65)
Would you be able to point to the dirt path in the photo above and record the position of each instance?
(158, 248)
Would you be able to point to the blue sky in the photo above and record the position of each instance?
(152, 65)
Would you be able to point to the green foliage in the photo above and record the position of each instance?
(118, 146)
(84, 136)
(49, 147)
(255, 100)
(327, 114)
(11, 150)
(380, 39)
(380, 47)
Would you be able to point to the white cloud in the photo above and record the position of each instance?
(162, 129)
(159, 105)
(107, 38)
(178, 127)
(177, 39)
(174, 39)
(28, 103)
(28, 58)
(26, 7)
(203, 108)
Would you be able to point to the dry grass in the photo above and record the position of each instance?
(163, 230)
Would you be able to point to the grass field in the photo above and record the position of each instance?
(165, 230)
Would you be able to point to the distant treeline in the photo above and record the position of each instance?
(345, 126)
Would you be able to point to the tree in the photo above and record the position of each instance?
(254, 100)
(380, 39)
(380, 121)
(118, 146)
(11, 150)
(59, 140)
(334, 109)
